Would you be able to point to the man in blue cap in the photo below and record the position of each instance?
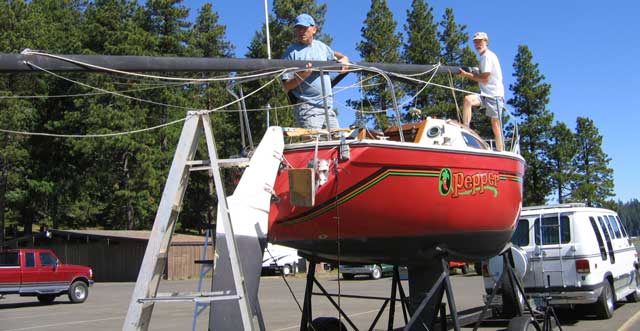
(306, 85)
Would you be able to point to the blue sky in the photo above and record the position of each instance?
(587, 50)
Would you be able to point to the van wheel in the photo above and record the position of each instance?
(606, 303)
(46, 299)
(377, 272)
(78, 292)
(523, 323)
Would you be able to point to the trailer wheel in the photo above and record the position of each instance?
(46, 299)
(327, 324)
(523, 323)
(78, 292)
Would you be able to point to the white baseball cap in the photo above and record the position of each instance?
(481, 35)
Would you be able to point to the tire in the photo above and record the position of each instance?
(606, 302)
(327, 324)
(287, 270)
(478, 268)
(46, 299)
(78, 292)
(376, 273)
(464, 269)
(635, 296)
(348, 276)
(523, 323)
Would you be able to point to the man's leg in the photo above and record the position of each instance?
(497, 133)
(470, 100)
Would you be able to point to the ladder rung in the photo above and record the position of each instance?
(190, 297)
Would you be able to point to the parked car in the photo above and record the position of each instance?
(464, 268)
(282, 259)
(576, 255)
(39, 273)
(374, 271)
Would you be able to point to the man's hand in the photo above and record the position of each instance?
(305, 73)
(344, 60)
(465, 74)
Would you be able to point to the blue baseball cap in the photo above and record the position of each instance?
(304, 20)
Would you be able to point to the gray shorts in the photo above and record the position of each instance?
(312, 117)
(492, 105)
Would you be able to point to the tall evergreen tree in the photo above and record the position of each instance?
(529, 102)
(380, 43)
(562, 151)
(594, 184)
(423, 47)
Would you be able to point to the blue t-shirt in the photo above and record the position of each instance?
(310, 91)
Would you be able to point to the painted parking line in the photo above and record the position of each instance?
(627, 326)
(66, 323)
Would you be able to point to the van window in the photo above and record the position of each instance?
(521, 235)
(614, 225)
(9, 259)
(552, 231)
(609, 227)
(594, 226)
(30, 260)
(624, 231)
(607, 238)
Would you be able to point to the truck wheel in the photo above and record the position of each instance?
(605, 304)
(348, 276)
(46, 299)
(286, 270)
(376, 273)
(78, 292)
(464, 269)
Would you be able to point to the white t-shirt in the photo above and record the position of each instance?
(489, 63)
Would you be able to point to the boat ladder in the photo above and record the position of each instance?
(237, 296)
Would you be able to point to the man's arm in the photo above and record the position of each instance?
(297, 79)
(482, 77)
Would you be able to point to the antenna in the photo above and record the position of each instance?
(266, 23)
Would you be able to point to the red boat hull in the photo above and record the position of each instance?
(401, 204)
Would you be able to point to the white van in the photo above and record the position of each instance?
(576, 255)
(282, 259)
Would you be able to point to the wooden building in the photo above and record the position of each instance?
(116, 256)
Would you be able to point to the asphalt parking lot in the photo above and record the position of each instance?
(106, 307)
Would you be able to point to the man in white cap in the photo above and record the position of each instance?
(491, 88)
(306, 86)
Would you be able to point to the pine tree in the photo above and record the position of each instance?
(594, 184)
(529, 102)
(422, 47)
(380, 43)
(563, 150)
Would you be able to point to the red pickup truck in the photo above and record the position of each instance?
(39, 272)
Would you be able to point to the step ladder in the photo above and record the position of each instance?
(251, 203)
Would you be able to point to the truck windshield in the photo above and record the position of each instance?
(9, 259)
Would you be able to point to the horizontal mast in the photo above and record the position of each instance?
(16, 63)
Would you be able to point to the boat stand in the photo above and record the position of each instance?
(515, 307)
(307, 322)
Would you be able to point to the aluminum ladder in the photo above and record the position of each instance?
(155, 260)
